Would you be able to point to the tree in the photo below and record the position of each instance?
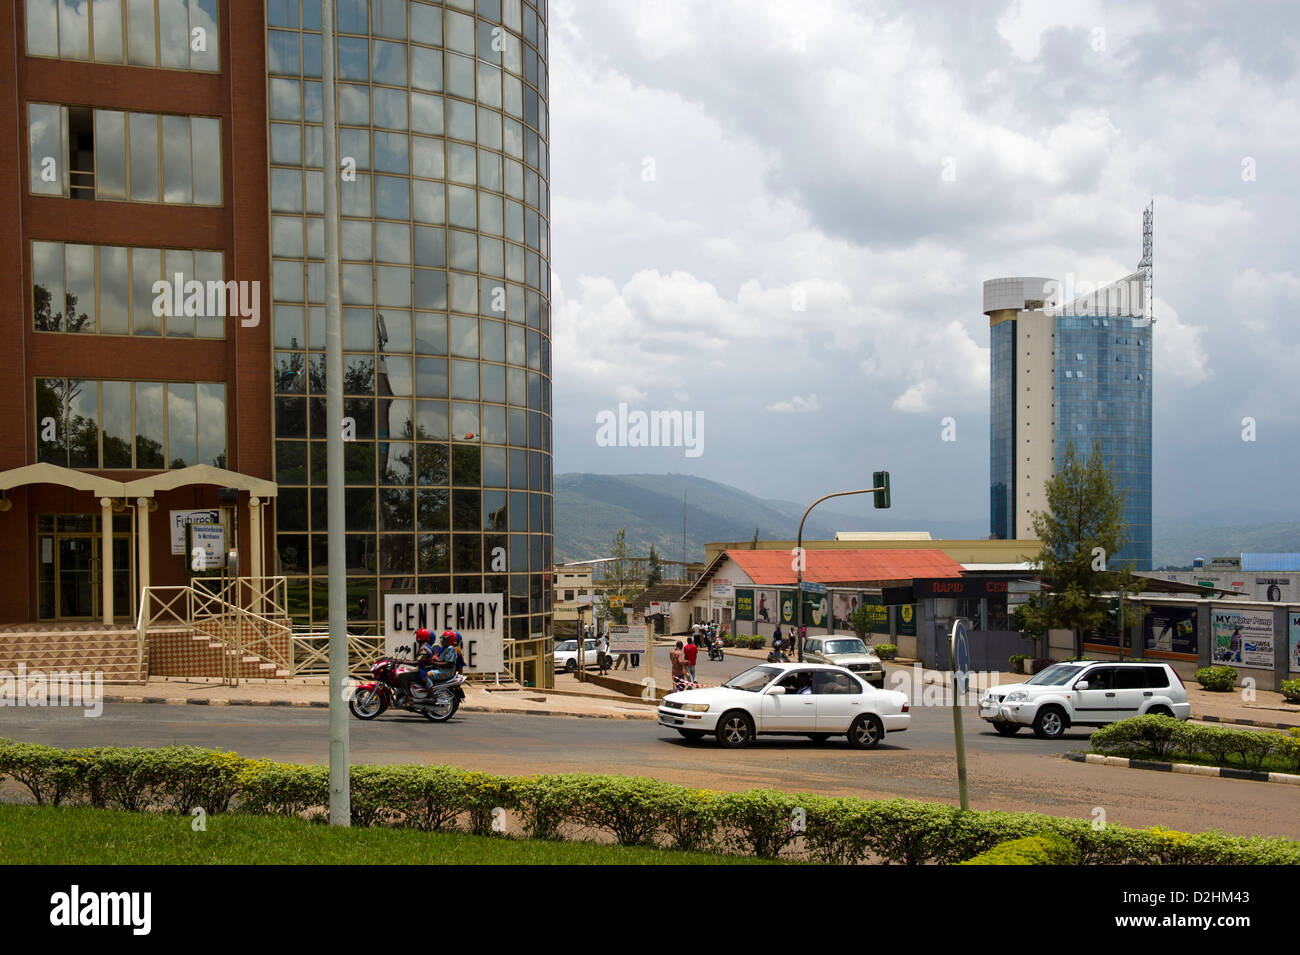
(1081, 531)
(655, 573)
(619, 577)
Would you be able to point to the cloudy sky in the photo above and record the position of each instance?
(779, 213)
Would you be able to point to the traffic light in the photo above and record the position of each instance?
(880, 481)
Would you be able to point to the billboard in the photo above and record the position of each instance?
(767, 604)
(843, 605)
(744, 604)
(179, 520)
(625, 638)
(816, 609)
(1170, 630)
(1294, 654)
(478, 618)
(787, 607)
(906, 620)
(1243, 638)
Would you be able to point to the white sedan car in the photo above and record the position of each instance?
(788, 699)
(566, 655)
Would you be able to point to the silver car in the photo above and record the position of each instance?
(848, 652)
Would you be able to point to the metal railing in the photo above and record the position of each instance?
(221, 610)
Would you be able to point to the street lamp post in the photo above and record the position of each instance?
(799, 557)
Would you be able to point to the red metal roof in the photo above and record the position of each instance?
(774, 568)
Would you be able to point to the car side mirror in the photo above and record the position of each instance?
(1081, 685)
(777, 691)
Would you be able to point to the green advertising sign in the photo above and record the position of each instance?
(787, 607)
(906, 620)
(744, 604)
(816, 609)
(877, 616)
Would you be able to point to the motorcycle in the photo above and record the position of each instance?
(715, 649)
(437, 704)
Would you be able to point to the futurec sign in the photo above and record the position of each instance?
(478, 618)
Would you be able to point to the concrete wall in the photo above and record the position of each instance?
(1035, 397)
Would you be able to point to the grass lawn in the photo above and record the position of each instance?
(78, 836)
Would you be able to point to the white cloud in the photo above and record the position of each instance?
(798, 404)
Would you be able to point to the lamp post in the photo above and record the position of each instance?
(881, 491)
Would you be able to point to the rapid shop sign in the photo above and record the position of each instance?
(478, 618)
(1243, 638)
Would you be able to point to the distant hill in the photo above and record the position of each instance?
(590, 508)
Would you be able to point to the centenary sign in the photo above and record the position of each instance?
(478, 618)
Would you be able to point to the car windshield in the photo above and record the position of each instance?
(753, 679)
(1056, 675)
(845, 646)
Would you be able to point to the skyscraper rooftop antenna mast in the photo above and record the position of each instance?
(1148, 279)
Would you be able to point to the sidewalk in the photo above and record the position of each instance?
(593, 702)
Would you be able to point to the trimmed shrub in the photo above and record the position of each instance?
(1149, 735)
(635, 810)
(886, 651)
(1290, 690)
(49, 773)
(1047, 849)
(1218, 678)
(1252, 747)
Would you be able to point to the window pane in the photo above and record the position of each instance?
(203, 16)
(146, 269)
(206, 136)
(42, 28)
(173, 33)
(140, 46)
(114, 281)
(74, 30)
(79, 270)
(182, 427)
(117, 424)
(176, 159)
(144, 157)
(50, 408)
(47, 286)
(212, 424)
(83, 423)
(45, 138)
(178, 268)
(210, 267)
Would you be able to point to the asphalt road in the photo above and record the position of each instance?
(1019, 773)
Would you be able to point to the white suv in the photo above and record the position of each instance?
(1085, 693)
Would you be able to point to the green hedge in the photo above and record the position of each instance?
(1218, 678)
(1049, 849)
(1290, 690)
(1165, 738)
(630, 810)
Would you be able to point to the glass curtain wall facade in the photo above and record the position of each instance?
(1002, 431)
(1103, 393)
(444, 244)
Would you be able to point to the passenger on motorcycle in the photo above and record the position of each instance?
(425, 653)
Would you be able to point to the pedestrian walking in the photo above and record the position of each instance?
(691, 651)
(602, 657)
(677, 657)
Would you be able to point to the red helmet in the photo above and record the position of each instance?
(450, 637)
(422, 635)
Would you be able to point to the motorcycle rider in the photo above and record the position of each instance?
(425, 654)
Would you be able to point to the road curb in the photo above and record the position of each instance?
(323, 704)
(1256, 723)
(1187, 769)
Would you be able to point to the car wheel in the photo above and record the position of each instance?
(866, 732)
(1007, 729)
(735, 729)
(692, 734)
(1049, 723)
(819, 737)
(1159, 711)
(571, 666)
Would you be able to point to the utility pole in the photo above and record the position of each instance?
(340, 790)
